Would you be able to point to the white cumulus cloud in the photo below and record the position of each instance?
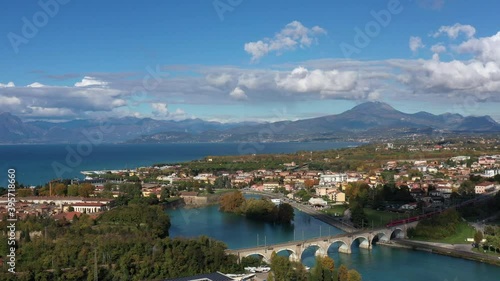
(292, 35)
(160, 109)
(325, 82)
(438, 48)
(8, 85)
(415, 43)
(454, 30)
(90, 81)
(485, 48)
(238, 94)
(36, 85)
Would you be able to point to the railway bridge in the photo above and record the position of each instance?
(344, 242)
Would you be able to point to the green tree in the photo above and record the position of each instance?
(353, 275)
(165, 194)
(281, 267)
(232, 202)
(24, 192)
(85, 190)
(358, 216)
(478, 237)
(323, 271)
(328, 263)
(72, 190)
(285, 213)
(343, 274)
(59, 189)
(466, 187)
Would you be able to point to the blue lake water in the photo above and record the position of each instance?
(382, 263)
(34, 163)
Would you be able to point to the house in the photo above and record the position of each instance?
(483, 187)
(338, 196)
(68, 216)
(270, 186)
(486, 160)
(417, 193)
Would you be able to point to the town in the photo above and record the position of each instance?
(432, 183)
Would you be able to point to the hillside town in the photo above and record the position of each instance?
(432, 182)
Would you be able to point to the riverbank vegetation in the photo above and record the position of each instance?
(324, 270)
(491, 245)
(447, 227)
(258, 209)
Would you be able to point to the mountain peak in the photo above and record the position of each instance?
(373, 106)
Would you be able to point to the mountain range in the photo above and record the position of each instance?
(366, 120)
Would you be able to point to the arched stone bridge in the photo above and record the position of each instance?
(345, 241)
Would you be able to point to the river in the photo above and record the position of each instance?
(381, 263)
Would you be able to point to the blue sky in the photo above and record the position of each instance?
(232, 60)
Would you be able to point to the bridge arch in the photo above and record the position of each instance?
(380, 236)
(364, 242)
(318, 250)
(342, 248)
(290, 251)
(397, 233)
(292, 254)
(260, 255)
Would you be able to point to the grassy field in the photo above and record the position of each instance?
(374, 217)
(336, 209)
(381, 218)
(463, 232)
(222, 191)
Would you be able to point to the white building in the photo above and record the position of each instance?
(491, 173)
(329, 179)
(318, 201)
(89, 207)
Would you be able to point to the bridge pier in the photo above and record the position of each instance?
(294, 258)
(320, 252)
(344, 249)
(365, 244)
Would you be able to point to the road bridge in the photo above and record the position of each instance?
(345, 241)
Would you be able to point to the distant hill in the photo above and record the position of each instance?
(369, 119)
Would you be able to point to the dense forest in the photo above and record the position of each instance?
(126, 243)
